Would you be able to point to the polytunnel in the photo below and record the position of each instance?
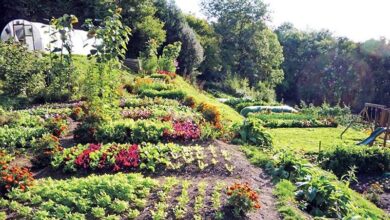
(39, 37)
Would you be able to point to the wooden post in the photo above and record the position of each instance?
(387, 111)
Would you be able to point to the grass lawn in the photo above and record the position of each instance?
(307, 139)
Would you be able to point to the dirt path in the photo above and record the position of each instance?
(255, 176)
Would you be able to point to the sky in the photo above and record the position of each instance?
(358, 20)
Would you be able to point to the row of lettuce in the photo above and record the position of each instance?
(303, 187)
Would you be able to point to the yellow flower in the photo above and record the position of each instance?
(73, 19)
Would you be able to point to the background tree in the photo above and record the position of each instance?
(191, 55)
(322, 68)
(210, 41)
(248, 47)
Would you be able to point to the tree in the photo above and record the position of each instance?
(248, 47)
(191, 55)
(210, 41)
(320, 67)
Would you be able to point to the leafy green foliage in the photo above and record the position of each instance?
(168, 58)
(177, 28)
(285, 193)
(167, 94)
(318, 65)
(318, 192)
(19, 137)
(180, 210)
(323, 198)
(108, 53)
(248, 47)
(252, 132)
(43, 149)
(287, 165)
(367, 159)
(77, 197)
(209, 40)
(22, 72)
(149, 58)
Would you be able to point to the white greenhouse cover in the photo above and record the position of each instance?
(37, 36)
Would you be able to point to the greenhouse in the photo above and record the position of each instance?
(39, 37)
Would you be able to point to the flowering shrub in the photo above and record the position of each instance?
(137, 114)
(57, 125)
(77, 113)
(12, 177)
(183, 130)
(242, 198)
(140, 82)
(210, 113)
(44, 148)
(167, 73)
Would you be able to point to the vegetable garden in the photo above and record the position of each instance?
(112, 143)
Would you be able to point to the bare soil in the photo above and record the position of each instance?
(364, 183)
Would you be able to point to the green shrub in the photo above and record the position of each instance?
(317, 192)
(86, 131)
(367, 159)
(166, 94)
(160, 76)
(21, 70)
(43, 149)
(189, 101)
(210, 113)
(167, 60)
(252, 132)
(18, 118)
(341, 114)
(149, 59)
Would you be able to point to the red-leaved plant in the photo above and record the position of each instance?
(184, 130)
(127, 159)
(83, 159)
